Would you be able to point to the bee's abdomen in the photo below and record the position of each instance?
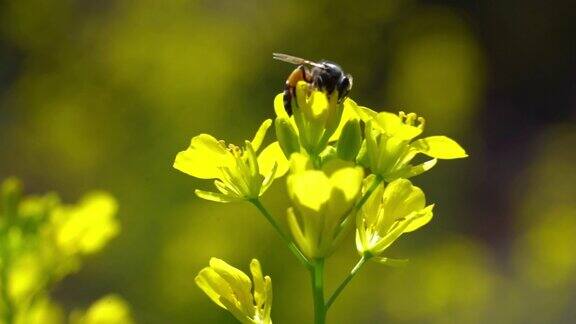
(299, 74)
(288, 100)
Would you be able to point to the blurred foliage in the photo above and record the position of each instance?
(42, 241)
(102, 93)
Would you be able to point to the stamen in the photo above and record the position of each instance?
(422, 122)
(235, 150)
(411, 119)
(402, 116)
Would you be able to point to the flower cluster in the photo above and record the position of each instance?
(41, 242)
(348, 166)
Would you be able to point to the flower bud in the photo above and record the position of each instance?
(350, 140)
(231, 289)
(286, 135)
(317, 116)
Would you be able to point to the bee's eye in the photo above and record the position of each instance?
(344, 87)
(345, 82)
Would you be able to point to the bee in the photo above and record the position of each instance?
(324, 76)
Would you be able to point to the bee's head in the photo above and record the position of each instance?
(327, 77)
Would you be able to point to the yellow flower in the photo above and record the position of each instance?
(322, 203)
(389, 212)
(316, 116)
(388, 150)
(85, 228)
(110, 309)
(238, 172)
(232, 289)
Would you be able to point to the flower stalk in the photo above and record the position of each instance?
(317, 277)
(291, 246)
(346, 280)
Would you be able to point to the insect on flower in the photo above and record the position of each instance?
(324, 76)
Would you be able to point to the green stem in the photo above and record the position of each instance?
(293, 248)
(344, 283)
(317, 276)
(368, 193)
(364, 258)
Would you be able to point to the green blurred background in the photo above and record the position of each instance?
(103, 94)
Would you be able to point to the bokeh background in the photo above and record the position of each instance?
(103, 94)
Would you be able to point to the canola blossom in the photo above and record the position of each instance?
(110, 309)
(390, 211)
(315, 115)
(42, 241)
(250, 301)
(347, 169)
(388, 148)
(239, 173)
(323, 201)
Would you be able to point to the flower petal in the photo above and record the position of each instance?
(279, 106)
(352, 111)
(268, 180)
(268, 305)
(258, 279)
(420, 168)
(214, 196)
(440, 147)
(423, 219)
(232, 307)
(402, 198)
(260, 134)
(204, 157)
(238, 281)
(392, 125)
(349, 181)
(348, 113)
(297, 232)
(310, 189)
(268, 157)
(213, 285)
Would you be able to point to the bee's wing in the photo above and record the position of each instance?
(294, 59)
